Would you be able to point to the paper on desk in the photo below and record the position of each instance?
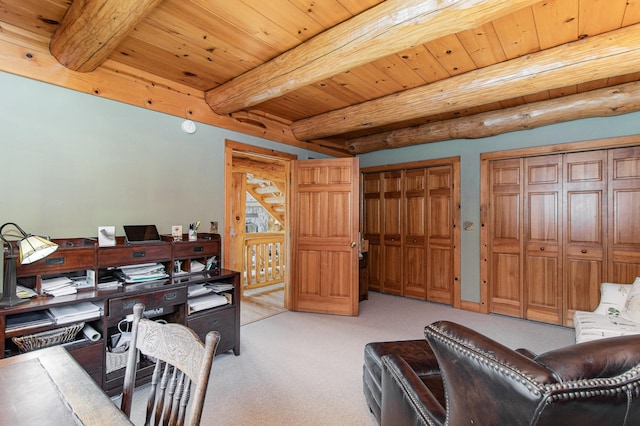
(25, 292)
(75, 313)
(62, 291)
(197, 266)
(206, 302)
(218, 287)
(144, 272)
(54, 283)
(197, 290)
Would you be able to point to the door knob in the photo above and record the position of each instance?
(353, 244)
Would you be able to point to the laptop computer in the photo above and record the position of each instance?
(139, 234)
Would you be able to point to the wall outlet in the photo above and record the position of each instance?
(214, 227)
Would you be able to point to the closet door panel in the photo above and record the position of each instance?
(543, 297)
(543, 238)
(374, 266)
(440, 272)
(580, 288)
(440, 234)
(372, 226)
(585, 215)
(392, 233)
(506, 297)
(624, 229)
(415, 265)
(505, 239)
(392, 203)
(392, 261)
(414, 271)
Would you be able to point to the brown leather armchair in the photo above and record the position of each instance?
(486, 383)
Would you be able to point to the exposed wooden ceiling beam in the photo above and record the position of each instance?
(609, 101)
(91, 30)
(27, 54)
(274, 172)
(388, 28)
(565, 65)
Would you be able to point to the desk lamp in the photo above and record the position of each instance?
(32, 248)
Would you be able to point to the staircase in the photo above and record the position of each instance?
(268, 195)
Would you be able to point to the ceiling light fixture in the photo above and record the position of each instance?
(188, 126)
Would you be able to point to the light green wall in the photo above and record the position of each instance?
(469, 152)
(70, 162)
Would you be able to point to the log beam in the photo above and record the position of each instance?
(91, 30)
(565, 65)
(609, 101)
(273, 171)
(26, 54)
(388, 28)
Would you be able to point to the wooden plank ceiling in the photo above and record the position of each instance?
(338, 76)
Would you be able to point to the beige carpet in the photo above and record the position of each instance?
(261, 303)
(306, 369)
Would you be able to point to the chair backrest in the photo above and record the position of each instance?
(182, 361)
(596, 382)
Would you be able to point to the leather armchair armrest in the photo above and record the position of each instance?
(406, 400)
(603, 358)
(526, 352)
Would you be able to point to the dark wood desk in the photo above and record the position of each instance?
(48, 386)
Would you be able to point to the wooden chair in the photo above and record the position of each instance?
(181, 360)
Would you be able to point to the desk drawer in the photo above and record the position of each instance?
(123, 306)
(171, 297)
(61, 260)
(131, 255)
(200, 248)
(221, 320)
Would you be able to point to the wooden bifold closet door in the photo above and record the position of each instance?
(559, 225)
(408, 220)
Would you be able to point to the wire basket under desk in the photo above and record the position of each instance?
(43, 339)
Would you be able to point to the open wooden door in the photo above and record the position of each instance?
(324, 236)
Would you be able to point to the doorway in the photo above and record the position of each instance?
(255, 234)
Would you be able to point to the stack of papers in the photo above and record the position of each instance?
(109, 284)
(195, 290)
(28, 320)
(220, 287)
(58, 286)
(197, 266)
(25, 292)
(144, 272)
(206, 302)
(75, 313)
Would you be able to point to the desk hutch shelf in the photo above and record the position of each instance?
(165, 299)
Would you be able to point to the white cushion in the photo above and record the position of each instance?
(613, 297)
(592, 326)
(632, 305)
